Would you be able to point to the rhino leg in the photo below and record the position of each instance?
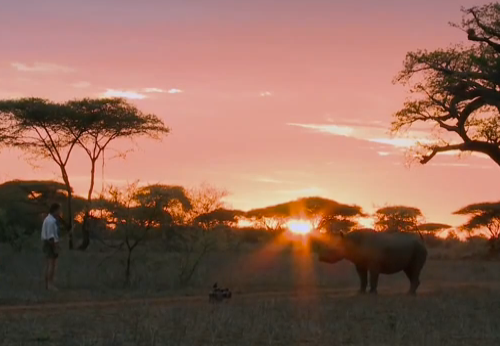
(413, 272)
(373, 280)
(413, 275)
(363, 278)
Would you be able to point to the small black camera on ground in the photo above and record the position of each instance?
(219, 294)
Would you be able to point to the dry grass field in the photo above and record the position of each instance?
(280, 297)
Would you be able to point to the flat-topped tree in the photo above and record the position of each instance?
(44, 130)
(218, 217)
(432, 227)
(483, 216)
(398, 218)
(138, 211)
(456, 90)
(321, 212)
(105, 121)
(341, 217)
(271, 218)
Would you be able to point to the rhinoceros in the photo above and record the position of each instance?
(379, 253)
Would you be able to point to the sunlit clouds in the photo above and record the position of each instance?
(162, 91)
(41, 67)
(175, 91)
(137, 95)
(127, 94)
(154, 90)
(373, 134)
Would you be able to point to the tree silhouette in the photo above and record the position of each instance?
(398, 218)
(432, 227)
(195, 236)
(24, 205)
(45, 130)
(484, 216)
(218, 217)
(104, 121)
(341, 218)
(136, 211)
(321, 212)
(456, 90)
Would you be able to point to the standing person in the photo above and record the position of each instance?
(50, 240)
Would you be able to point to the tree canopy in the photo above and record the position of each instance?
(26, 202)
(218, 217)
(432, 227)
(484, 216)
(397, 218)
(456, 90)
(322, 212)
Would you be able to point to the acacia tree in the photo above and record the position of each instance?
(136, 211)
(432, 227)
(195, 236)
(317, 210)
(44, 130)
(398, 218)
(104, 121)
(341, 218)
(483, 216)
(457, 90)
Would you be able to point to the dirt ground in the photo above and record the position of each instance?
(460, 315)
(458, 304)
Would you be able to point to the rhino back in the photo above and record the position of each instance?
(391, 252)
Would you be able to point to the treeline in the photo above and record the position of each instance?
(170, 212)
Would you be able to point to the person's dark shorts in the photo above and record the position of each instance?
(49, 249)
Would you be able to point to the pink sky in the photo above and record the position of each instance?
(272, 100)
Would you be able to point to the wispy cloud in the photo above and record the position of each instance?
(383, 153)
(266, 94)
(154, 90)
(42, 67)
(175, 91)
(374, 132)
(337, 130)
(81, 85)
(128, 94)
(138, 94)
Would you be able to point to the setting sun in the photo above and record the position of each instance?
(299, 226)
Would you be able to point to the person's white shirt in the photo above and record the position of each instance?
(49, 228)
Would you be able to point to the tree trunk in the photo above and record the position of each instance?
(69, 206)
(127, 270)
(86, 225)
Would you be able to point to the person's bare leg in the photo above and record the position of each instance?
(47, 273)
(52, 274)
